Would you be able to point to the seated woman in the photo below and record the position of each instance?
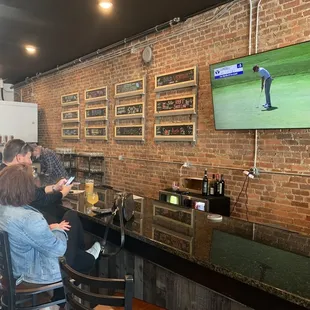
(35, 245)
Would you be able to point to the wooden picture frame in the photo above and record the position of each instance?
(95, 94)
(103, 117)
(97, 136)
(73, 135)
(133, 137)
(67, 118)
(119, 92)
(175, 128)
(169, 81)
(70, 99)
(171, 110)
(125, 107)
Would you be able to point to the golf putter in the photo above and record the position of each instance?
(260, 95)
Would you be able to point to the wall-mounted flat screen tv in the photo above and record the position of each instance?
(269, 90)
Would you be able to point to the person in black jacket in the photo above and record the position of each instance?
(17, 151)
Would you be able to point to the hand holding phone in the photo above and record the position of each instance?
(69, 181)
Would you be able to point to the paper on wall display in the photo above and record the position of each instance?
(228, 71)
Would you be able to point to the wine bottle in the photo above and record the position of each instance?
(217, 185)
(205, 184)
(222, 186)
(212, 186)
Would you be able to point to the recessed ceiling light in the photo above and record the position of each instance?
(30, 49)
(105, 4)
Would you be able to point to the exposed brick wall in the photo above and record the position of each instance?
(278, 199)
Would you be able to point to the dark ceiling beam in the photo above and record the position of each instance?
(92, 55)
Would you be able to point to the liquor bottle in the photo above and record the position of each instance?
(217, 185)
(205, 184)
(222, 186)
(212, 186)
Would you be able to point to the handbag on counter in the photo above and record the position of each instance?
(122, 210)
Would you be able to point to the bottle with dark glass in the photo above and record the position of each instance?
(221, 190)
(205, 184)
(217, 185)
(213, 186)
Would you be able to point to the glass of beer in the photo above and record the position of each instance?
(89, 186)
(92, 198)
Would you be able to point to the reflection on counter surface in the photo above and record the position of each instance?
(269, 258)
(279, 268)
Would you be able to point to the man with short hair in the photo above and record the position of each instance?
(50, 163)
(17, 151)
(266, 82)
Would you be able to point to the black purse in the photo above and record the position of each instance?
(123, 211)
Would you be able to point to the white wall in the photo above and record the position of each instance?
(20, 120)
(8, 93)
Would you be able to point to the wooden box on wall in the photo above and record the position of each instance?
(192, 184)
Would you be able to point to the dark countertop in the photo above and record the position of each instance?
(250, 256)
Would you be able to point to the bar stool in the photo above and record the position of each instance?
(76, 295)
(70, 278)
(13, 297)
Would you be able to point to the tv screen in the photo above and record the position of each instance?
(269, 90)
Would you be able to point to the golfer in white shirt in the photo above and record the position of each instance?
(266, 82)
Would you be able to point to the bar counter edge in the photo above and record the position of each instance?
(247, 291)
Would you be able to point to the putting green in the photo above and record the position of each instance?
(240, 106)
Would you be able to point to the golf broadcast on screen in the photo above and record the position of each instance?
(270, 90)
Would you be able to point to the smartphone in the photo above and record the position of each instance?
(69, 181)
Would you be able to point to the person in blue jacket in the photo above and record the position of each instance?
(34, 244)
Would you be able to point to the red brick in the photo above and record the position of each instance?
(290, 185)
(299, 192)
(306, 13)
(291, 4)
(300, 204)
(303, 211)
